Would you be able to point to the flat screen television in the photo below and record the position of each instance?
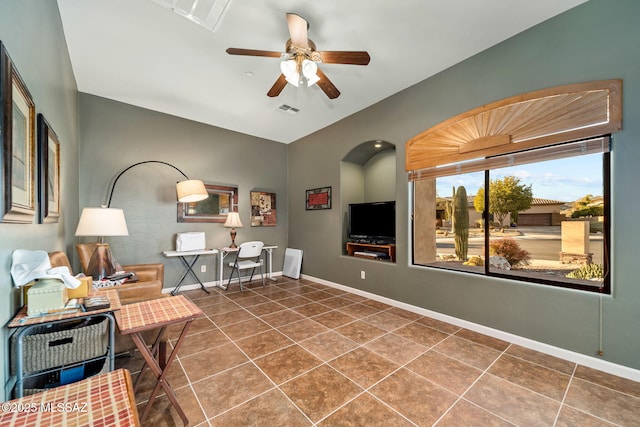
(373, 222)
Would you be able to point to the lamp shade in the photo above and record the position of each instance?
(233, 220)
(309, 70)
(290, 70)
(191, 190)
(101, 222)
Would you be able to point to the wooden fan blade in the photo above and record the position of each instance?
(253, 52)
(277, 86)
(345, 57)
(326, 85)
(298, 27)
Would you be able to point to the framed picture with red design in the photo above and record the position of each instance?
(319, 198)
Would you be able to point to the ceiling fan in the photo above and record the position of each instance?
(301, 57)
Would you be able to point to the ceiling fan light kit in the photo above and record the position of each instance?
(301, 59)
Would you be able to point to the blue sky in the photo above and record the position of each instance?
(565, 179)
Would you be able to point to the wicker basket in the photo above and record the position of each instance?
(61, 344)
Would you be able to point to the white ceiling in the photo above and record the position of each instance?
(140, 53)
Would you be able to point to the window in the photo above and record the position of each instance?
(539, 215)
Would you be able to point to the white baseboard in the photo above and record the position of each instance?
(215, 283)
(572, 356)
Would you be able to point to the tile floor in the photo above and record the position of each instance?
(299, 353)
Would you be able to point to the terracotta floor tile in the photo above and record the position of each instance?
(364, 367)
(464, 413)
(287, 363)
(376, 304)
(360, 331)
(333, 319)
(571, 417)
(163, 413)
(318, 295)
(209, 362)
(265, 308)
(396, 348)
(608, 380)
(406, 314)
(542, 359)
(176, 377)
(202, 341)
(545, 381)
(445, 371)
(328, 345)
(336, 302)
(301, 353)
(233, 387)
(276, 294)
(269, 409)
(263, 343)
(358, 310)
(294, 301)
(512, 402)
(303, 329)
(421, 334)
(208, 300)
(365, 410)
(311, 309)
(282, 318)
(445, 327)
(420, 400)
(231, 317)
(604, 402)
(386, 321)
(483, 339)
(245, 328)
(320, 391)
(468, 352)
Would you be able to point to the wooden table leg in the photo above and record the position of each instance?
(160, 372)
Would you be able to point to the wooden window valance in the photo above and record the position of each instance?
(531, 120)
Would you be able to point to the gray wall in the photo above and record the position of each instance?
(32, 33)
(116, 135)
(598, 40)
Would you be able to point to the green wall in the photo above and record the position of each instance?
(116, 135)
(597, 40)
(31, 31)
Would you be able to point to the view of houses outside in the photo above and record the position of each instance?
(559, 232)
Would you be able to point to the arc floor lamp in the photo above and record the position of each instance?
(108, 221)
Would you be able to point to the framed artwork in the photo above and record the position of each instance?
(215, 208)
(48, 173)
(319, 198)
(17, 128)
(263, 209)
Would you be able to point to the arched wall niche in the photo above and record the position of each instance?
(367, 174)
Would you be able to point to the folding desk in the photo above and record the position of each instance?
(134, 319)
(189, 264)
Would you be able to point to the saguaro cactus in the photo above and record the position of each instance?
(461, 223)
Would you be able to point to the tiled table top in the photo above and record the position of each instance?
(155, 313)
(21, 319)
(106, 400)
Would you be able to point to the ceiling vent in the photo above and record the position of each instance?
(288, 109)
(206, 13)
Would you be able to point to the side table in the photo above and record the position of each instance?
(134, 319)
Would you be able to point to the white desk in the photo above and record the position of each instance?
(189, 264)
(223, 252)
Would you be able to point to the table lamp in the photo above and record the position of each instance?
(233, 221)
(101, 222)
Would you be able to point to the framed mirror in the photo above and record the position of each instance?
(221, 201)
